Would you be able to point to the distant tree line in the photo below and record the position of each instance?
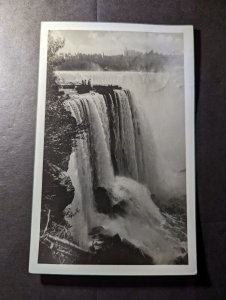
(129, 61)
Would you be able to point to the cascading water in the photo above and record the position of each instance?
(114, 154)
(90, 162)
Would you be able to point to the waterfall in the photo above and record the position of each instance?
(114, 143)
(90, 164)
(114, 153)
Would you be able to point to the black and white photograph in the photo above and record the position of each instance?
(114, 181)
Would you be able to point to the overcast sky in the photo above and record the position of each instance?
(112, 42)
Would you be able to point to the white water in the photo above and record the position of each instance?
(133, 148)
(143, 224)
(160, 100)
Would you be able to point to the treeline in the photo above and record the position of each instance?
(137, 61)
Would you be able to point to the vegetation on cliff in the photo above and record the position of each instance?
(61, 130)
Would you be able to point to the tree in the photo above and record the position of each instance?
(61, 131)
(53, 60)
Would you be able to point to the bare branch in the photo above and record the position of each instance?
(47, 223)
(67, 243)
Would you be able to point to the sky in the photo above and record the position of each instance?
(115, 42)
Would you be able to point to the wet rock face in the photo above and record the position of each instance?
(61, 130)
(58, 190)
(120, 250)
(105, 205)
(103, 200)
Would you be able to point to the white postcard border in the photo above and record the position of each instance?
(191, 268)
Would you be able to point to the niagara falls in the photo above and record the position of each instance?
(113, 169)
(114, 159)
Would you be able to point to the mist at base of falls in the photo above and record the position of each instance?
(123, 153)
(141, 223)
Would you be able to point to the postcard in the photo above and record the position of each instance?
(114, 175)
